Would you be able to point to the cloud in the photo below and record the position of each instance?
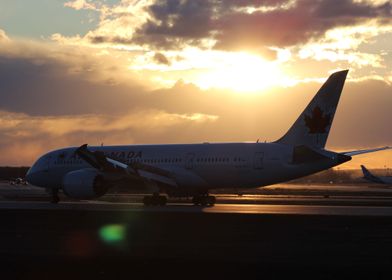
(47, 88)
(262, 27)
(24, 137)
(3, 36)
(80, 4)
(175, 23)
(161, 59)
(305, 21)
(45, 79)
(343, 32)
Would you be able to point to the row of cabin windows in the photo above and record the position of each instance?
(165, 160)
(217, 159)
(179, 160)
(212, 160)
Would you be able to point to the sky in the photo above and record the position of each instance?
(189, 71)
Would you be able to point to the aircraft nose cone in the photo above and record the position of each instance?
(31, 177)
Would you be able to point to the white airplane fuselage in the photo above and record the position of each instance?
(195, 167)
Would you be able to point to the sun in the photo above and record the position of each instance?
(241, 72)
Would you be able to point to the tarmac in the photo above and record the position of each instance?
(104, 239)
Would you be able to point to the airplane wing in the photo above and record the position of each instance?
(359, 152)
(140, 170)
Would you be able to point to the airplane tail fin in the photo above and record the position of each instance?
(313, 125)
(366, 172)
(369, 176)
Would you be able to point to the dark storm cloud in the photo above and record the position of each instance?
(178, 22)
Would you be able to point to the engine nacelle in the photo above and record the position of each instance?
(84, 184)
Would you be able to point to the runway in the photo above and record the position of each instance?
(188, 208)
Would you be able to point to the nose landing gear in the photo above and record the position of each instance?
(55, 196)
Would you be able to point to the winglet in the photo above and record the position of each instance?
(360, 152)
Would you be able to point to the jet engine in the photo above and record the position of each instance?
(84, 184)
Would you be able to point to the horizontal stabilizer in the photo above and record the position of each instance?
(360, 152)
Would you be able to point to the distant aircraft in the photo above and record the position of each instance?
(387, 180)
(191, 170)
(18, 181)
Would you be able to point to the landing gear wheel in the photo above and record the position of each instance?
(196, 200)
(211, 200)
(55, 196)
(204, 200)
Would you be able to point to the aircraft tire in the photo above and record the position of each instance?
(55, 200)
(211, 200)
(196, 200)
(204, 201)
(55, 196)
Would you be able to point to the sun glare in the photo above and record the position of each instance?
(238, 71)
(241, 72)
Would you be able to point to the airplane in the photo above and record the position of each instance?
(192, 170)
(18, 181)
(386, 180)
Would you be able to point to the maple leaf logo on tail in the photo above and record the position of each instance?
(318, 121)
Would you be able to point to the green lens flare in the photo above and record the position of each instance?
(112, 233)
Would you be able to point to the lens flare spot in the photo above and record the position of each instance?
(112, 233)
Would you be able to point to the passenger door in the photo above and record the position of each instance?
(48, 161)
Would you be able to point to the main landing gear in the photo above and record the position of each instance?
(154, 199)
(204, 200)
(55, 196)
